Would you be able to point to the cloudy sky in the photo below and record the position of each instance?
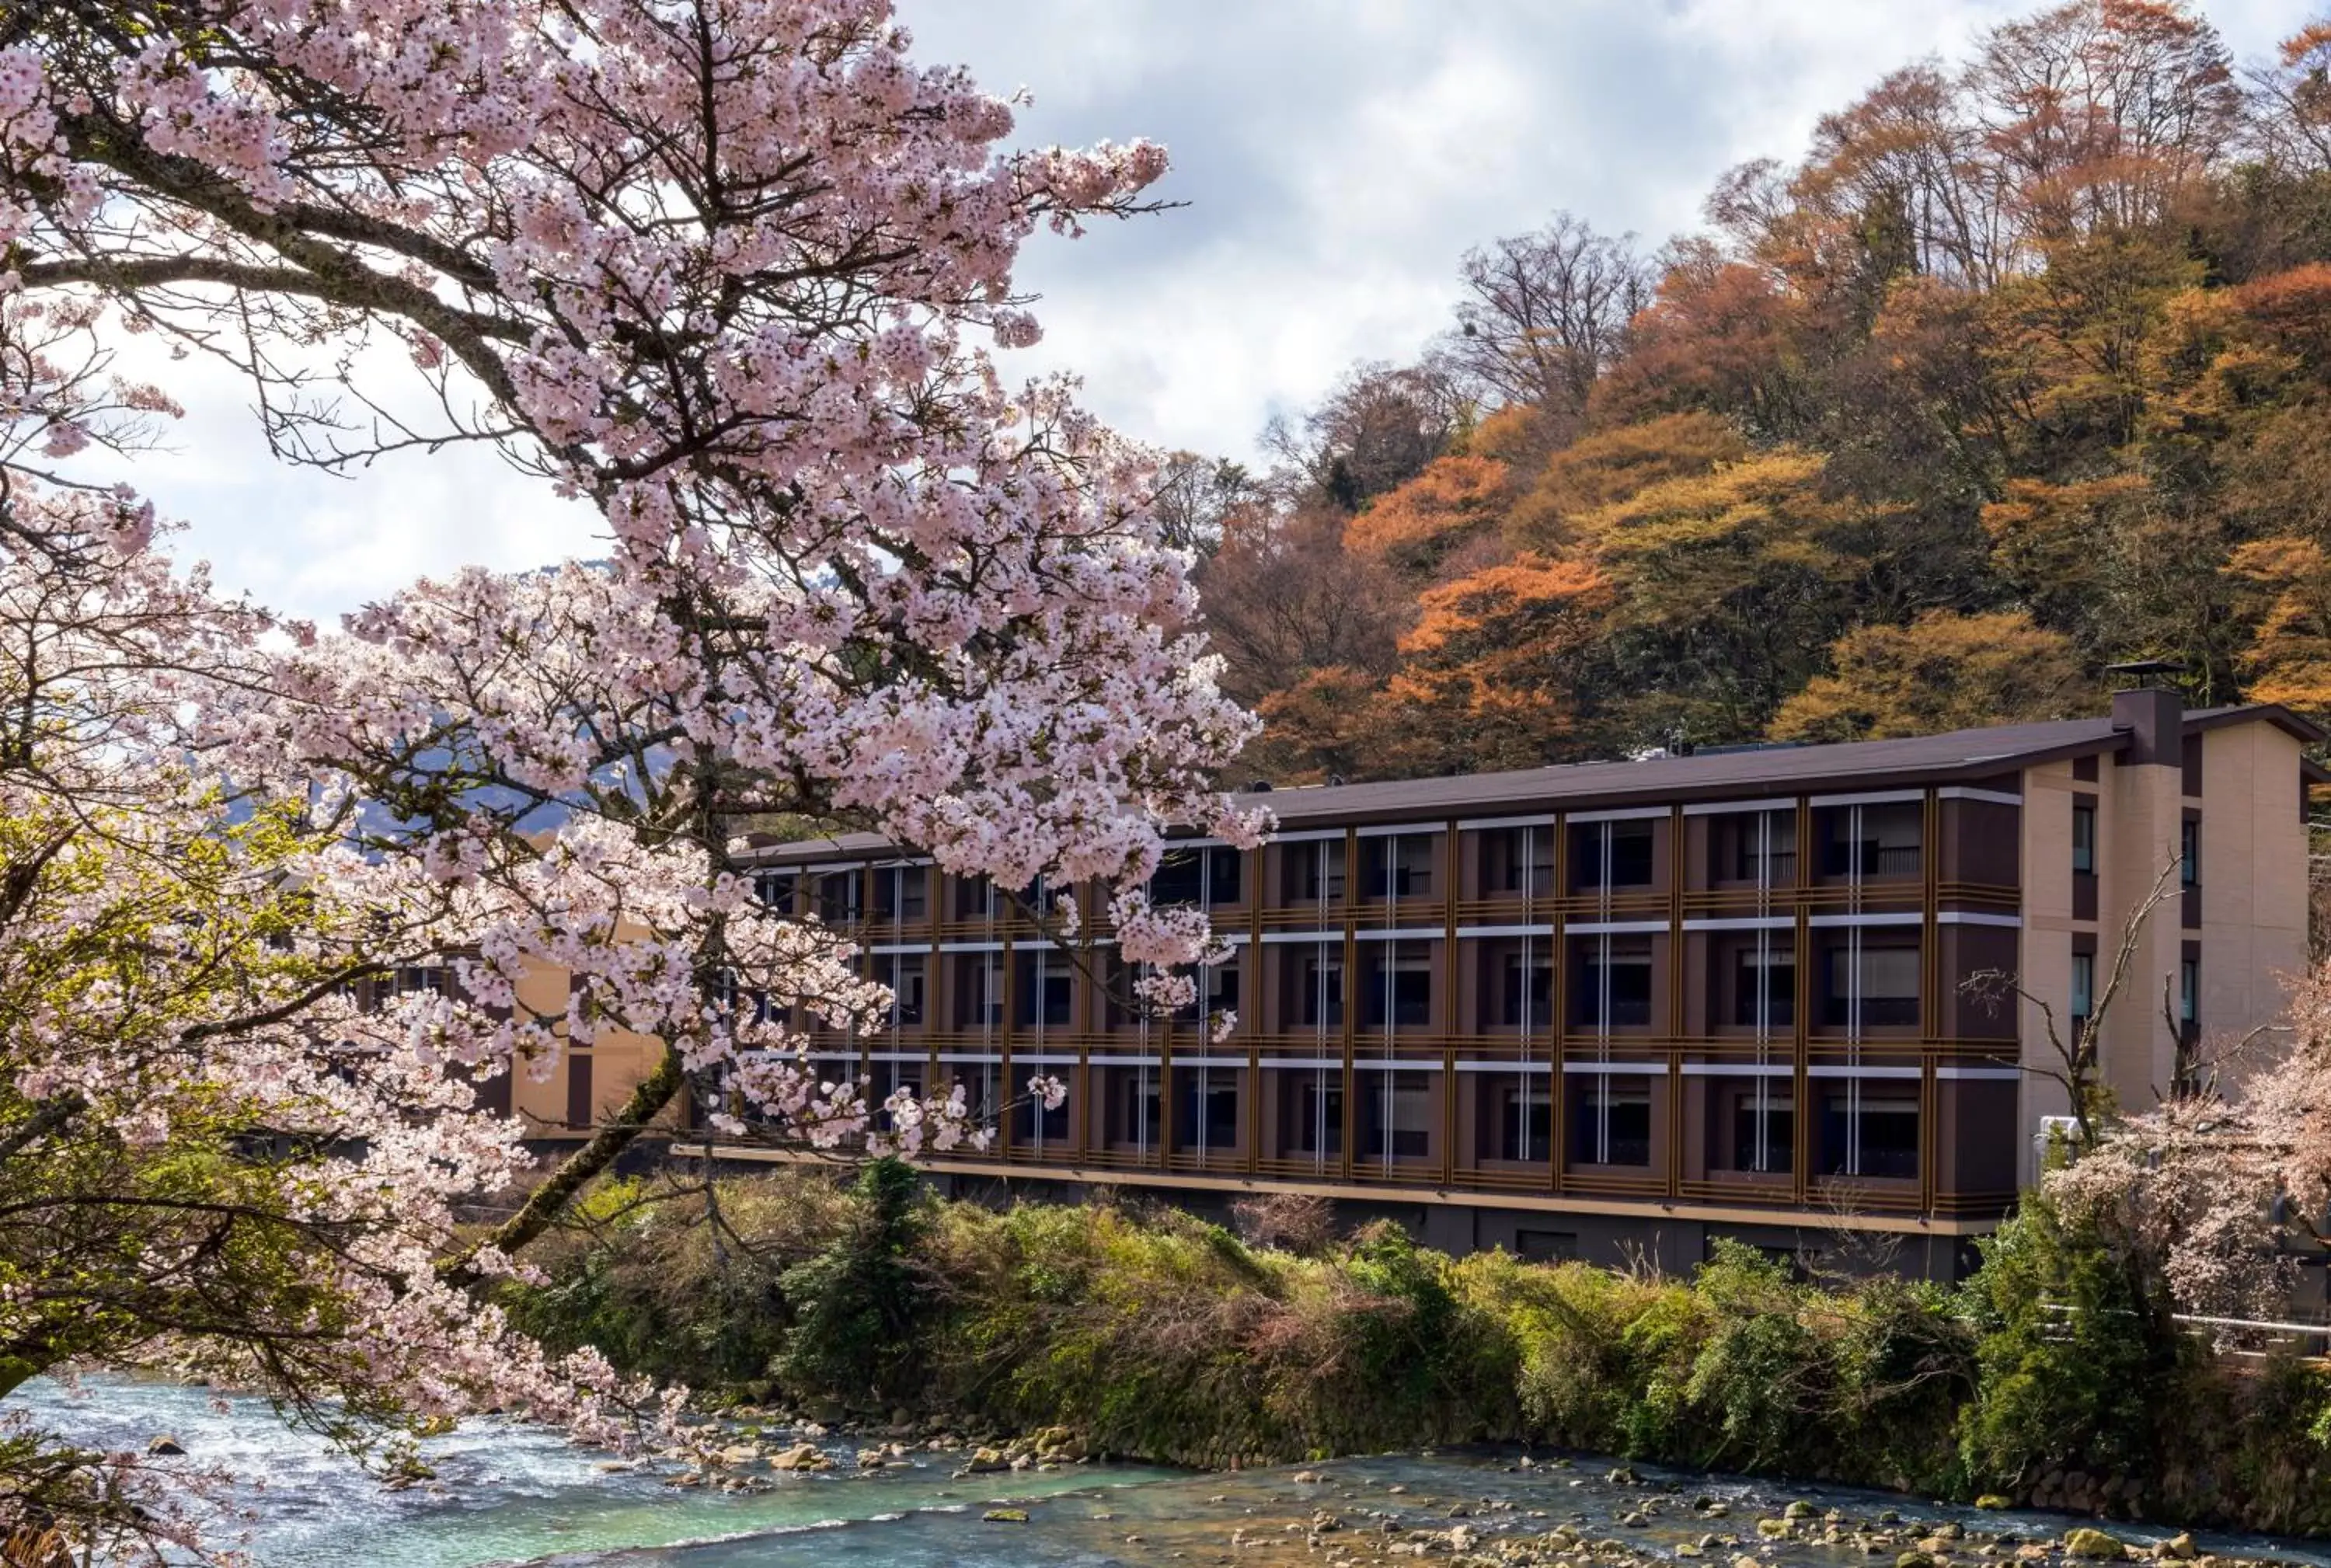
(1337, 157)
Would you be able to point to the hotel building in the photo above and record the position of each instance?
(1786, 993)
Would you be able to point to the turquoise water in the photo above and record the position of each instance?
(508, 1494)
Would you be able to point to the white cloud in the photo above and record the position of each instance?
(1337, 157)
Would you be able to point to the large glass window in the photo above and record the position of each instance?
(1871, 986)
(1047, 986)
(1765, 987)
(1614, 1124)
(1611, 855)
(2084, 986)
(1315, 871)
(840, 897)
(1614, 984)
(1868, 1133)
(1520, 1116)
(1762, 1117)
(2084, 839)
(905, 974)
(1525, 988)
(1398, 866)
(1875, 841)
(1764, 847)
(1198, 876)
(1207, 1108)
(1312, 1112)
(1517, 861)
(1398, 981)
(2189, 852)
(1397, 1115)
(1320, 988)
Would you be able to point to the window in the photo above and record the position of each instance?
(1764, 988)
(898, 892)
(1398, 866)
(1045, 990)
(2084, 987)
(1523, 1118)
(1615, 987)
(1763, 1128)
(1764, 847)
(2189, 852)
(1396, 1116)
(1520, 860)
(1218, 992)
(1320, 985)
(1136, 1110)
(775, 889)
(1525, 990)
(2084, 839)
(1399, 986)
(1197, 877)
(1868, 1135)
(980, 993)
(1314, 1112)
(1315, 871)
(2189, 990)
(1613, 855)
(838, 897)
(1206, 1111)
(1880, 987)
(905, 981)
(975, 898)
(1032, 1123)
(1880, 841)
(1614, 1122)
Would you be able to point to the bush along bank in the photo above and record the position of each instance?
(2053, 1377)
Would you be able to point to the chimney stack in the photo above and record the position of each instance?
(2151, 711)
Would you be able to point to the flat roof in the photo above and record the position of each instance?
(1741, 773)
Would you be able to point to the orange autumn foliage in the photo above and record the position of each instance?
(1414, 527)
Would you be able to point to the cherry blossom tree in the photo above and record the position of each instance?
(724, 269)
(210, 1156)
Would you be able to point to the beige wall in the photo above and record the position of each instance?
(2253, 876)
(2253, 931)
(619, 1061)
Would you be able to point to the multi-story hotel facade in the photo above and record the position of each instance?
(1788, 994)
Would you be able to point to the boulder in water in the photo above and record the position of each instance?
(2094, 1546)
(165, 1447)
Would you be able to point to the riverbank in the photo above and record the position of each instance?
(2054, 1379)
(508, 1493)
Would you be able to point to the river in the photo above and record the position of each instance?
(509, 1494)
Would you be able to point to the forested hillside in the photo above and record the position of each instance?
(2023, 368)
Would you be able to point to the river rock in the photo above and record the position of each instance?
(1006, 1517)
(1914, 1560)
(984, 1460)
(1746, 1560)
(165, 1447)
(1775, 1529)
(2094, 1546)
(2178, 1548)
(1992, 1502)
(1799, 1509)
(800, 1456)
(740, 1454)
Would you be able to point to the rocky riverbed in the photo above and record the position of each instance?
(785, 1492)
